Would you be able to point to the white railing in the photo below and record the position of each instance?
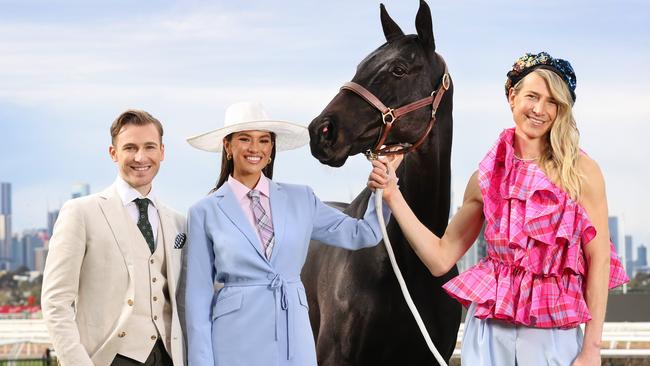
(620, 340)
(626, 340)
(23, 330)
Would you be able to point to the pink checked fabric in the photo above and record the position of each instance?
(534, 271)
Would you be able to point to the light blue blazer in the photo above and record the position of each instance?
(260, 316)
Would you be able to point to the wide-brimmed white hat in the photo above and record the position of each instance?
(247, 116)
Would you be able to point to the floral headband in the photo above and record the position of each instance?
(530, 61)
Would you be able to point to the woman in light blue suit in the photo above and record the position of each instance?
(256, 244)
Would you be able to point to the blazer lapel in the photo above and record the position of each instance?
(228, 204)
(278, 198)
(116, 216)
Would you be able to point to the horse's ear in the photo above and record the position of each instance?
(392, 31)
(424, 25)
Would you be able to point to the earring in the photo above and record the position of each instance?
(228, 156)
(269, 160)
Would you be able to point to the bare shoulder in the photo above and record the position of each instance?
(588, 166)
(593, 182)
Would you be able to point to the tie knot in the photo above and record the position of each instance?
(142, 203)
(253, 194)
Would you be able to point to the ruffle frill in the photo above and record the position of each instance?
(534, 272)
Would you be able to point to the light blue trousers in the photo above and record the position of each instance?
(496, 343)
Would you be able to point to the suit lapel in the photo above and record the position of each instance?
(278, 198)
(228, 204)
(116, 216)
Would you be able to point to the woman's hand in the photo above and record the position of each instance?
(587, 358)
(383, 175)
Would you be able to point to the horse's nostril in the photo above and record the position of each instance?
(327, 130)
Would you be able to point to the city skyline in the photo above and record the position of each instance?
(635, 252)
(29, 247)
(69, 69)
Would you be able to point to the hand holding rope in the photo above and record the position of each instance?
(382, 175)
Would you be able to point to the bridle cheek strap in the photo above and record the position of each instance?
(390, 115)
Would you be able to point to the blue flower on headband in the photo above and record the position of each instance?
(530, 61)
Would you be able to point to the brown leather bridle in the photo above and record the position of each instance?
(391, 115)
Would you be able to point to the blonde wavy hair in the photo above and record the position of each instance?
(560, 158)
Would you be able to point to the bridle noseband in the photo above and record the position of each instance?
(391, 115)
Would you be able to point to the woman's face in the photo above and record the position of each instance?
(250, 151)
(533, 107)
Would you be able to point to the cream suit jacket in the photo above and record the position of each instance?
(89, 279)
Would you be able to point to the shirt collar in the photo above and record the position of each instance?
(240, 190)
(128, 194)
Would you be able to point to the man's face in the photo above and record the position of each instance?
(138, 153)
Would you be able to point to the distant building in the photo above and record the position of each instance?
(17, 253)
(40, 254)
(629, 257)
(5, 235)
(32, 240)
(5, 206)
(51, 219)
(5, 225)
(641, 264)
(616, 234)
(80, 190)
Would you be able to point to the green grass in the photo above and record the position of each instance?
(27, 362)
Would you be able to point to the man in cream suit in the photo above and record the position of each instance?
(112, 271)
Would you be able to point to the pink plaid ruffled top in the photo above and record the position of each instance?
(534, 271)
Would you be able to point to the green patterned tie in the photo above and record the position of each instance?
(143, 221)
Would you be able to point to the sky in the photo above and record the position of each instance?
(69, 67)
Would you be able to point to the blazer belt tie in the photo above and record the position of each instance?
(278, 284)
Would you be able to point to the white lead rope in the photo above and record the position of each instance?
(400, 279)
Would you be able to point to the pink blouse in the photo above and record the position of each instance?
(534, 271)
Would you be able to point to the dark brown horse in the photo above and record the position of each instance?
(357, 311)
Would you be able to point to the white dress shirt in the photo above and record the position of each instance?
(128, 194)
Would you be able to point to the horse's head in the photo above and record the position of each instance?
(404, 69)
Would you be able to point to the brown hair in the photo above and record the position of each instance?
(228, 167)
(136, 117)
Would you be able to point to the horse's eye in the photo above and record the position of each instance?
(398, 71)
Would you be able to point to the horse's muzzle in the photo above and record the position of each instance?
(322, 131)
(323, 138)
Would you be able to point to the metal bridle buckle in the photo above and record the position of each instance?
(446, 81)
(433, 110)
(370, 155)
(388, 117)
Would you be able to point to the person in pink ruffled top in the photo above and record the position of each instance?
(549, 260)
